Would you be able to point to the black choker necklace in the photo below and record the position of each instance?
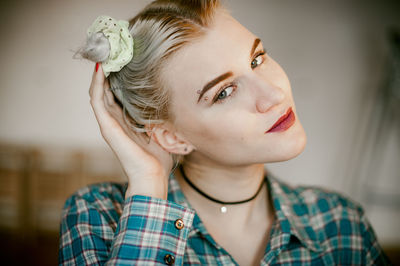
(223, 208)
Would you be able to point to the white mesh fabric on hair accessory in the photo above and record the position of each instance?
(120, 39)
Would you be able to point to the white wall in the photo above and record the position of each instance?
(332, 51)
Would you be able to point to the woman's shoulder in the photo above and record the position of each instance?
(318, 199)
(322, 209)
(324, 200)
(331, 219)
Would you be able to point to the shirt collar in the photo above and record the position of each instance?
(290, 210)
(292, 213)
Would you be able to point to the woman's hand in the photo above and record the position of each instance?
(146, 165)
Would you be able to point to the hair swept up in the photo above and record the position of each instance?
(159, 30)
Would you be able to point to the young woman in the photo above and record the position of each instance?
(193, 107)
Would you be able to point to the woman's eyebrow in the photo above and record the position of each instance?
(220, 78)
(213, 82)
(255, 44)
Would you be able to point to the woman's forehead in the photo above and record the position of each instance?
(219, 50)
(224, 35)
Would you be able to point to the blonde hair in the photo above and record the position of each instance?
(159, 30)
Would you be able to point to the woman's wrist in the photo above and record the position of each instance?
(147, 190)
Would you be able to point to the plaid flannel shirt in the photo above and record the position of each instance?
(312, 226)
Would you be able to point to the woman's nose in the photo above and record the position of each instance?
(268, 96)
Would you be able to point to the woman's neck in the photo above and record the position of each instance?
(226, 183)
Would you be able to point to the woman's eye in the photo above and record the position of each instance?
(225, 93)
(258, 60)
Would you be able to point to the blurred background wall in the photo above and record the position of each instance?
(337, 54)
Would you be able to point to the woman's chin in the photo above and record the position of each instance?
(291, 148)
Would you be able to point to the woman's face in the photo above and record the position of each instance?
(228, 124)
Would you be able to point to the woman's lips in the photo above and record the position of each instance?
(284, 122)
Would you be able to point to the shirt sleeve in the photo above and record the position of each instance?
(150, 231)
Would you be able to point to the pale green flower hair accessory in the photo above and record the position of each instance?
(120, 39)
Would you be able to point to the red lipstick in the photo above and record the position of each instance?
(284, 122)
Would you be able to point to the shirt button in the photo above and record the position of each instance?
(179, 224)
(169, 259)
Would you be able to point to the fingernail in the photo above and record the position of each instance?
(97, 66)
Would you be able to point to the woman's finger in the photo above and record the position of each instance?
(97, 84)
(106, 122)
(97, 100)
(109, 97)
(113, 109)
(95, 70)
(106, 84)
(109, 115)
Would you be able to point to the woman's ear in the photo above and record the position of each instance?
(170, 140)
